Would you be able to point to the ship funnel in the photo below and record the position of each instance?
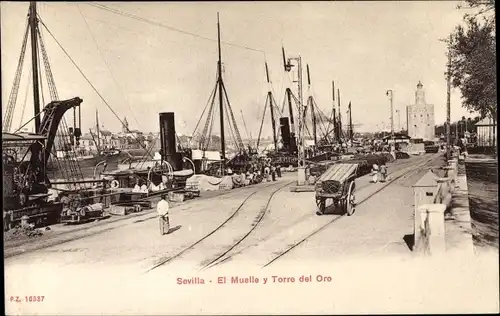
(168, 149)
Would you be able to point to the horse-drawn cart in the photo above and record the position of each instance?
(337, 183)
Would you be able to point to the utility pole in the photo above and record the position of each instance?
(33, 21)
(448, 102)
(302, 174)
(311, 104)
(221, 104)
(301, 153)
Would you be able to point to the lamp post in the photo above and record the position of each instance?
(390, 93)
(184, 159)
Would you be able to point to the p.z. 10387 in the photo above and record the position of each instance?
(19, 299)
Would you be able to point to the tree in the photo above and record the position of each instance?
(473, 67)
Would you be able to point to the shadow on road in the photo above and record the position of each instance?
(409, 240)
(171, 230)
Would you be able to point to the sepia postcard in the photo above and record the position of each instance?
(249, 157)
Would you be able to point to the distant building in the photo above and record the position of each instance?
(125, 126)
(486, 132)
(87, 144)
(420, 116)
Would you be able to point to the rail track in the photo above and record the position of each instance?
(259, 219)
(409, 170)
(224, 257)
(222, 225)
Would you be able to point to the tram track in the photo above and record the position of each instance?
(406, 172)
(224, 258)
(259, 219)
(223, 224)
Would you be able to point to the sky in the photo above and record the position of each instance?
(141, 69)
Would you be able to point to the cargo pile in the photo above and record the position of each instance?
(200, 182)
(26, 230)
(367, 161)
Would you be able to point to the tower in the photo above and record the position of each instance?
(125, 128)
(420, 116)
(420, 94)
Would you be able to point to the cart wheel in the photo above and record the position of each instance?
(350, 201)
(321, 205)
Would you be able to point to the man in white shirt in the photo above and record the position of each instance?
(162, 209)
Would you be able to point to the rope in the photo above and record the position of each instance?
(136, 17)
(88, 81)
(73, 168)
(262, 122)
(107, 65)
(205, 109)
(11, 105)
(26, 97)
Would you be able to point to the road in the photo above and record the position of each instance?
(235, 234)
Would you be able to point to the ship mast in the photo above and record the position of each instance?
(350, 123)
(97, 130)
(221, 104)
(33, 22)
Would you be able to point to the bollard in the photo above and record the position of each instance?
(432, 228)
(445, 185)
(301, 176)
(24, 220)
(424, 192)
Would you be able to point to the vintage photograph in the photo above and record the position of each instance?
(295, 157)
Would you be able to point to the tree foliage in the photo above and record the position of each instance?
(473, 52)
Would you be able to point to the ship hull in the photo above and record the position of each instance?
(86, 166)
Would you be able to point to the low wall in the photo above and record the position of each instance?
(442, 222)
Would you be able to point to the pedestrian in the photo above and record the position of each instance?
(383, 172)
(162, 209)
(273, 172)
(267, 173)
(375, 173)
(278, 171)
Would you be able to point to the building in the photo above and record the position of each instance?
(125, 126)
(87, 144)
(486, 132)
(420, 116)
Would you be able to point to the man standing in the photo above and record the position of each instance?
(383, 172)
(162, 209)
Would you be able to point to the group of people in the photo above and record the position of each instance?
(265, 169)
(258, 171)
(379, 173)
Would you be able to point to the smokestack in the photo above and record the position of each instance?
(168, 149)
(285, 132)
